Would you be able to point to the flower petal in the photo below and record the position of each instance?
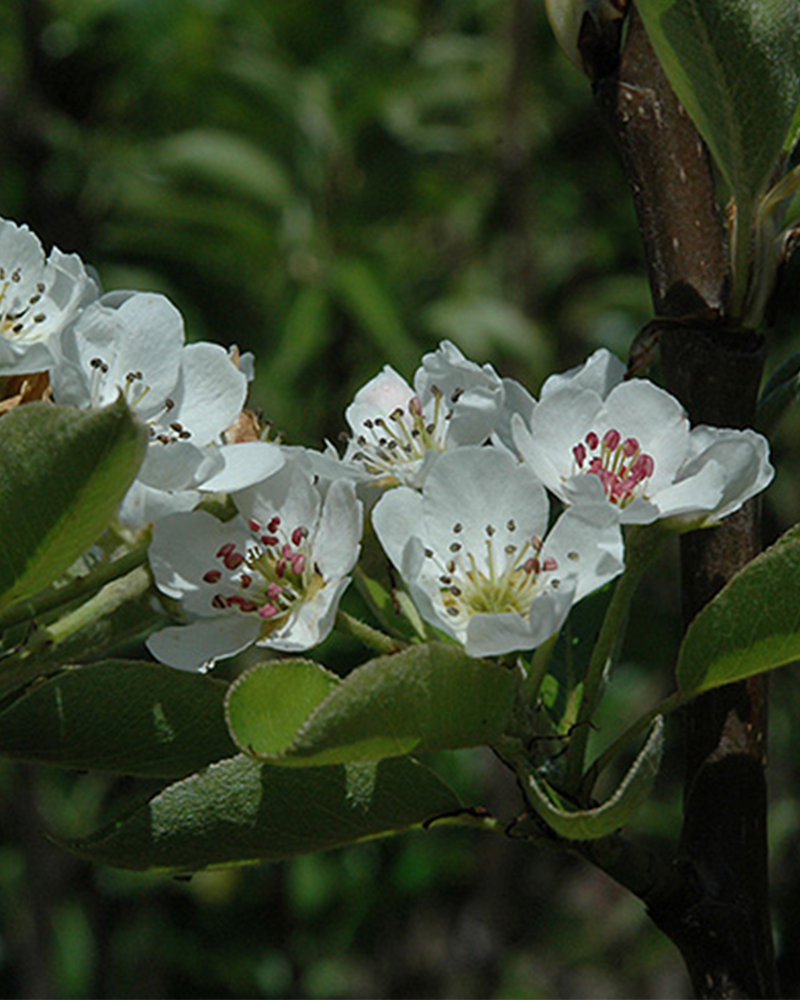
(239, 466)
(210, 391)
(495, 635)
(199, 645)
(337, 543)
(587, 544)
(599, 374)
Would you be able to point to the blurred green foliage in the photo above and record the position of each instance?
(336, 186)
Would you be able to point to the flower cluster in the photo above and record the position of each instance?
(460, 469)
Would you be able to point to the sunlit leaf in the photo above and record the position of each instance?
(751, 626)
(267, 705)
(428, 697)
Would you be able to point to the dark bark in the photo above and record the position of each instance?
(717, 909)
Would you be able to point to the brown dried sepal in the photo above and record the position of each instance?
(19, 389)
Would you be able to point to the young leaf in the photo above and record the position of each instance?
(123, 717)
(751, 626)
(267, 705)
(591, 824)
(735, 65)
(428, 697)
(64, 474)
(240, 811)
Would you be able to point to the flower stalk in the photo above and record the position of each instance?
(643, 545)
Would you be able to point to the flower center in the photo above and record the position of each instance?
(268, 578)
(505, 577)
(134, 390)
(391, 446)
(20, 316)
(620, 464)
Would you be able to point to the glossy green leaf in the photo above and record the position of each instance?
(428, 697)
(123, 717)
(751, 626)
(735, 65)
(267, 705)
(591, 824)
(64, 474)
(240, 811)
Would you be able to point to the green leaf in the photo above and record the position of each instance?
(591, 824)
(64, 474)
(267, 705)
(123, 717)
(429, 697)
(240, 811)
(735, 65)
(750, 627)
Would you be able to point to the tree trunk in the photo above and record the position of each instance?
(718, 910)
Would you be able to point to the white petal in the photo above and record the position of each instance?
(518, 404)
(311, 622)
(198, 645)
(478, 488)
(378, 398)
(587, 545)
(184, 548)
(129, 332)
(145, 505)
(149, 335)
(173, 466)
(600, 373)
(494, 635)
(656, 419)
(559, 422)
(24, 358)
(289, 492)
(337, 541)
(698, 493)
(210, 392)
(396, 518)
(474, 394)
(742, 460)
(241, 465)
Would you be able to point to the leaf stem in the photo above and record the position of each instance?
(78, 589)
(537, 670)
(642, 546)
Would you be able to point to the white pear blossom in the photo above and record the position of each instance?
(594, 437)
(38, 298)
(272, 576)
(188, 395)
(474, 550)
(398, 431)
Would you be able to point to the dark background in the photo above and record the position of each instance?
(337, 185)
